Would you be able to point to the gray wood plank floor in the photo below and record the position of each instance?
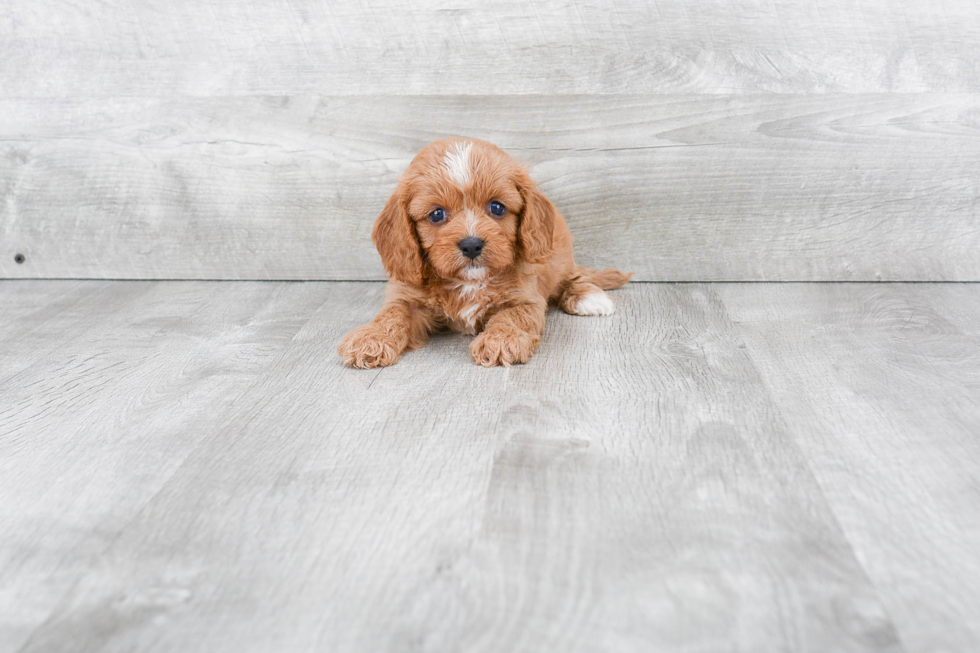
(186, 466)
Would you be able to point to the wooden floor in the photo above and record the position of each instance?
(186, 467)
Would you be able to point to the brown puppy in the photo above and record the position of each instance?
(472, 245)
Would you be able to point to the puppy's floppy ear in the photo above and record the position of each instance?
(537, 223)
(394, 236)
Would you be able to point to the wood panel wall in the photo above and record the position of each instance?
(735, 140)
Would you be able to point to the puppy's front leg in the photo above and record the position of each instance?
(510, 336)
(397, 328)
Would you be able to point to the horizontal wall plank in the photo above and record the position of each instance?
(61, 48)
(766, 187)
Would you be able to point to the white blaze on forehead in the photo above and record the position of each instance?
(471, 223)
(457, 162)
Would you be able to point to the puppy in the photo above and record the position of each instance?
(472, 245)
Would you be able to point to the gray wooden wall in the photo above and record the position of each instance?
(709, 140)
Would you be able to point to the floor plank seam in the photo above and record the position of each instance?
(749, 354)
(634, 281)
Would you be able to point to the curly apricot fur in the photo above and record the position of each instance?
(500, 296)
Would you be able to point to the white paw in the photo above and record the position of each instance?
(595, 303)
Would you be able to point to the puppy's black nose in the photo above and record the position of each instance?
(471, 247)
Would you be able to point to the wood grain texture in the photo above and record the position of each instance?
(643, 497)
(954, 303)
(810, 187)
(198, 473)
(98, 408)
(58, 48)
(879, 387)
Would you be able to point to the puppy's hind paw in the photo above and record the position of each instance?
(595, 303)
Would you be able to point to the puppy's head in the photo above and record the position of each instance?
(468, 210)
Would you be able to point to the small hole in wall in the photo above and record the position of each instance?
(19, 258)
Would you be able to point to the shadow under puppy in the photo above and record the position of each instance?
(472, 245)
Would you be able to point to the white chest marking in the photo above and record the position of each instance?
(468, 314)
(471, 290)
(473, 293)
(457, 163)
(468, 317)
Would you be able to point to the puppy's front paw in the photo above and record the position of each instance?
(367, 346)
(492, 348)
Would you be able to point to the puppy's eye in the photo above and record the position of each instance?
(437, 216)
(497, 208)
